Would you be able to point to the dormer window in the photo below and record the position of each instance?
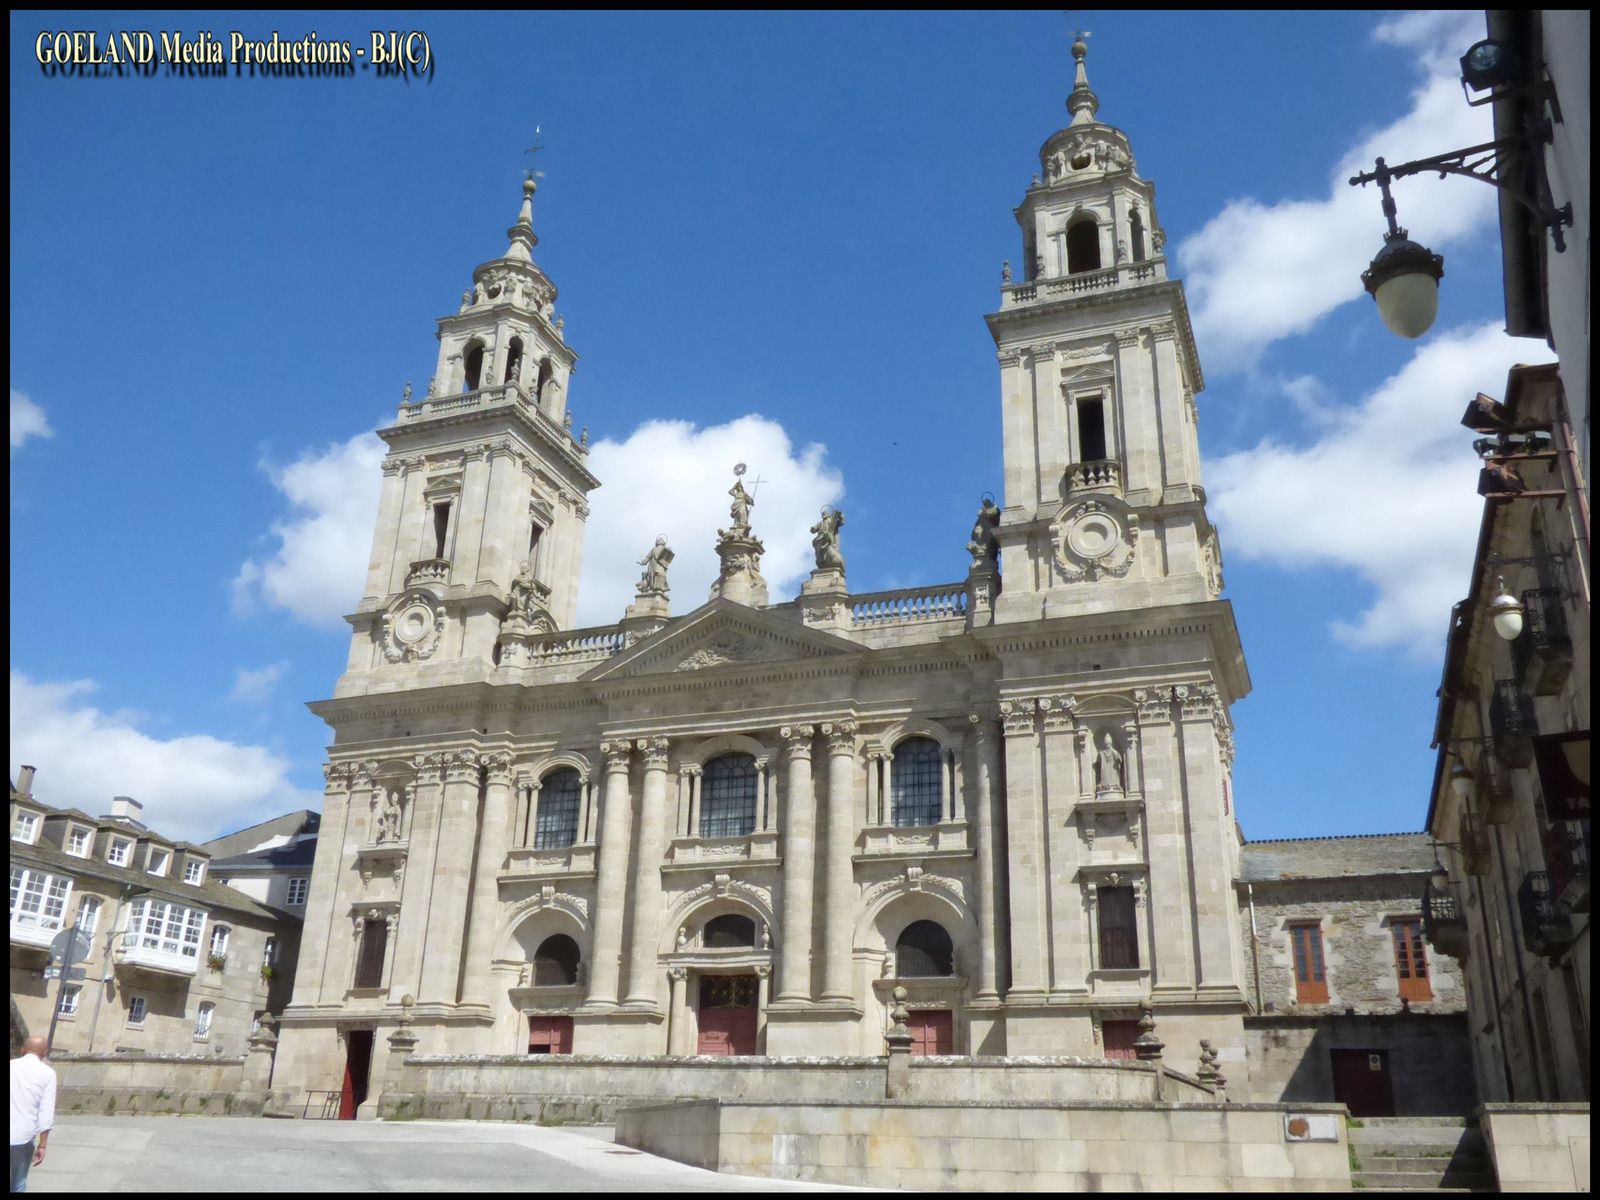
(157, 864)
(117, 852)
(194, 871)
(78, 842)
(26, 828)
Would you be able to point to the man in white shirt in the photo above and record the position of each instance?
(33, 1109)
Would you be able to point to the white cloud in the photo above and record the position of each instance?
(254, 687)
(1388, 490)
(1258, 272)
(672, 478)
(27, 420)
(320, 566)
(194, 786)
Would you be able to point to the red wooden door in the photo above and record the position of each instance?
(1362, 1084)
(357, 1068)
(1118, 1037)
(932, 1031)
(549, 1035)
(728, 1016)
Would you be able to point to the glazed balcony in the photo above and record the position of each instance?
(1511, 723)
(1567, 852)
(155, 961)
(1543, 654)
(1443, 923)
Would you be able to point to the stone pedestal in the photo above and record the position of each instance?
(983, 586)
(648, 608)
(258, 1060)
(824, 600)
(740, 578)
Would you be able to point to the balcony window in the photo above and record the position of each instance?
(1411, 960)
(219, 941)
(38, 900)
(1118, 928)
(1310, 972)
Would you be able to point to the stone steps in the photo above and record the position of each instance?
(1420, 1154)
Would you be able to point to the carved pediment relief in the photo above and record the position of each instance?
(715, 637)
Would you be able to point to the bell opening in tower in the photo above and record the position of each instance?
(1092, 429)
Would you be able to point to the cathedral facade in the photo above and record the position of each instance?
(737, 830)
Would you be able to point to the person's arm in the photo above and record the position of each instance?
(47, 1115)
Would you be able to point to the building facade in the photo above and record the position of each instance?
(270, 862)
(1348, 1003)
(174, 962)
(1510, 801)
(738, 829)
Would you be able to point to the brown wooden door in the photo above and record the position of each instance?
(1361, 1082)
(549, 1035)
(728, 1015)
(357, 1070)
(932, 1031)
(1118, 1037)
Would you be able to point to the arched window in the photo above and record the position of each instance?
(924, 948)
(560, 793)
(916, 789)
(513, 360)
(545, 371)
(728, 796)
(555, 963)
(1083, 247)
(728, 931)
(473, 362)
(1136, 233)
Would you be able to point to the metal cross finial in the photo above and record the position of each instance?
(535, 149)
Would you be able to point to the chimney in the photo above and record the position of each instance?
(25, 780)
(126, 808)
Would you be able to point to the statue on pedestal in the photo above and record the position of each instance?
(985, 544)
(1108, 767)
(654, 580)
(825, 540)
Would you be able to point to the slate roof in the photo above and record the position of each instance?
(1336, 857)
(294, 854)
(232, 845)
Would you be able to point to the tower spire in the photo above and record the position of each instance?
(1082, 103)
(523, 239)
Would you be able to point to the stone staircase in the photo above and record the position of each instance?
(1419, 1154)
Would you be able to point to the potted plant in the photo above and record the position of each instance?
(266, 971)
(216, 961)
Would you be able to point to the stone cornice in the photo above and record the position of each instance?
(539, 434)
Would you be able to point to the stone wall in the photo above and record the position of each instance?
(157, 1083)
(596, 1087)
(1111, 1147)
(1291, 1060)
(1538, 1147)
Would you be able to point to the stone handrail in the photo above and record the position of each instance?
(1097, 474)
(598, 641)
(908, 605)
(428, 570)
(1076, 284)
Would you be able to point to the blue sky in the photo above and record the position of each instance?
(780, 233)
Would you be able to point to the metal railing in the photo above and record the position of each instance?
(1512, 723)
(1442, 921)
(1543, 654)
(1567, 853)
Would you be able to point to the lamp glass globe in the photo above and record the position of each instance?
(1409, 303)
(1508, 623)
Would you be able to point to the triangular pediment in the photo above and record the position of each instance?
(722, 633)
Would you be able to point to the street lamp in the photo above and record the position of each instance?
(1507, 612)
(1404, 276)
(1461, 779)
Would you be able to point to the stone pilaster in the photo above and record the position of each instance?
(646, 911)
(1218, 953)
(452, 879)
(329, 867)
(405, 968)
(1068, 938)
(986, 751)
(677, 1012)
(1171, 913)
(1025, 838)
(493, 841)
(799, 866)
(839, 904)
(611, 882)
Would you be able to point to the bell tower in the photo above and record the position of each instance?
(1098, 374)
(483, 502)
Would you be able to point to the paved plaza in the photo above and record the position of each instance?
(229, 1154)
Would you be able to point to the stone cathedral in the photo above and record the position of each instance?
(737, 830)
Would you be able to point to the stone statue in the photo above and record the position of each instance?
(405, 394)
(825, 540)
(389, 818)
(1108, 767)
(739, 510)
(654, 580)
(1005, 271)
(985, 544)
(522, 588)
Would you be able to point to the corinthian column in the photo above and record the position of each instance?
(452, 879)
(492, 842)
(647, 875)
(799, 866)
(840, 892)
(612, 876)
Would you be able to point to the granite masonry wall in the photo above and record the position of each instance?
(1538, 1147)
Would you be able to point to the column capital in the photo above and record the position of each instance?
(1155, 705)
(678, 974)
(763, 969)
(499, 766)
(338, 777)
(655, 752)
(688, 770)
(461, 766)
(1058, 712)
(841, 736)
(1017, 716)
(616, 755)
(797, 739)
(428, 764)
(1196, 701)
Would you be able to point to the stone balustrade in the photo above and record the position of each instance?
(1098, 475)
(1082, 283)
(579, 645)
(428, 570)
(904, 606)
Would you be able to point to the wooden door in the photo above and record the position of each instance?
(357, 1070)
(728, 1015)
(1118, 1037)
(932, 1031)
(1361, 1082)
(549, 1035)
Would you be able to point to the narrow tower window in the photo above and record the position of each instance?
(474, 366)
(1083, 247)
(441, 527)
(1136, 232)
(1091, 430)
(545, 371)
(513, 360)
